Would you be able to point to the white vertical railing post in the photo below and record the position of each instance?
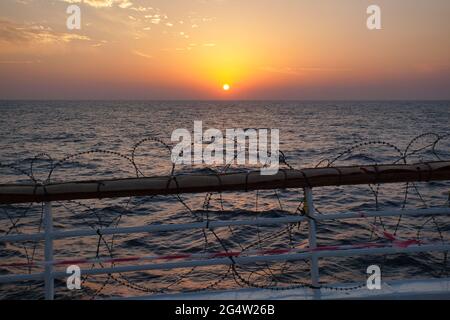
(310, 211)
(48, 251)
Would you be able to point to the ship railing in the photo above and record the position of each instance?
(307, 179)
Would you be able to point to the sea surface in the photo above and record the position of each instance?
(50, 141)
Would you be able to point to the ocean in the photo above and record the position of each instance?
(37, 134)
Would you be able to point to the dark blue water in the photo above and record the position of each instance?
(309, 133)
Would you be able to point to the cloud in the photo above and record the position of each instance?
(156, 18)
(142, 9)
(124, 4)
(17, 33)
(24, 1)
(143, 55)
(300, 70)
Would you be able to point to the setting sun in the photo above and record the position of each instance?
(226, 87)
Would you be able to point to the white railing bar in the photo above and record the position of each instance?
(238, 261)
(153, 228)
(441, 285)
(383, 213)
(48, 251)
(386, 250)
(312, 237)
(219, 224)
(268, 258)
(11, 278)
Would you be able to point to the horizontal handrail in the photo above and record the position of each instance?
(219, 224)
(241, 181)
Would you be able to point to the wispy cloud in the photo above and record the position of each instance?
(19, 33)
(300, 70)
(141, 54)
(103, 3)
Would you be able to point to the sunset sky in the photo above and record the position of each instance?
(188, 49)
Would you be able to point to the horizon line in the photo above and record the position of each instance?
(233, 100)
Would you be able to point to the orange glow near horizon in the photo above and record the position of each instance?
(192, 49)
